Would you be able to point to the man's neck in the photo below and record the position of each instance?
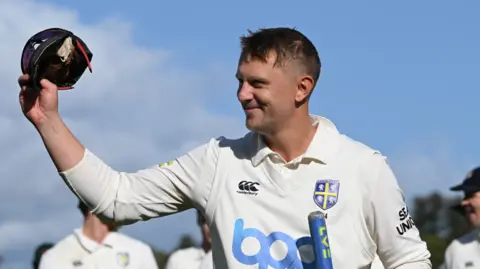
(95, 230)
(293, 140)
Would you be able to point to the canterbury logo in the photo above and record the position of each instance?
(248, 187)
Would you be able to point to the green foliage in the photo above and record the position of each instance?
(439, 220)
(437, 246)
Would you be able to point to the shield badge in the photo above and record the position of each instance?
(325, 194)
(123, 259)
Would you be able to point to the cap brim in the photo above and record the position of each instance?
(457, 188)
(465, 188)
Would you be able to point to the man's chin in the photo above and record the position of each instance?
(251, 126)
(473, 218)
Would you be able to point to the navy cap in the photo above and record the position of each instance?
(471, 182)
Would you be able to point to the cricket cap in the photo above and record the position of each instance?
(471, 183)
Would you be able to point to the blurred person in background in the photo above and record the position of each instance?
(97, 244)
(192, 257)
(464, 252)
(37, 255)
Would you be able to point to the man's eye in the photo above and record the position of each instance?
(256, 84)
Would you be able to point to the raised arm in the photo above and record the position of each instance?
(156, 191)
(123, 197)
(41, 109)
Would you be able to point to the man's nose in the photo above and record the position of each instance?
(465, 202)
(245, 92)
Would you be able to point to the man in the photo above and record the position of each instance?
(192, 257)
(98, 245)
(39, 251)
(464, 252)
(256, 191)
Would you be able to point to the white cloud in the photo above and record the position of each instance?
(135, 93)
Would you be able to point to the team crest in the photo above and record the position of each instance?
(326, 193)
(123, 259)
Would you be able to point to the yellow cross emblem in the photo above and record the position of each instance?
(322, 189)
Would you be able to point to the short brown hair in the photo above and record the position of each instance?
(287, 44)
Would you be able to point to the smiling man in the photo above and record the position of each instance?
(464, 252)
(256, 191)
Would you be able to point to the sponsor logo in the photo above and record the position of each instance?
(248, 187)
(406, 221)
(263, 258)
(166, 164)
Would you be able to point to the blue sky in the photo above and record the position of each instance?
(398, 76)
(394, 74)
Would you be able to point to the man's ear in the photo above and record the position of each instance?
(304, 89)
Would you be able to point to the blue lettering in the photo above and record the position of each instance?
(263, 257)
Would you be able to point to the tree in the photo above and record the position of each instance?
(439, 220)
(428, 213)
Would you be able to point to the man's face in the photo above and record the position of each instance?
(471, 204)
(267, 93)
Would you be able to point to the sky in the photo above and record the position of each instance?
(397, 76)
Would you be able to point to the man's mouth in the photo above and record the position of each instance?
(251, 107)
(469, 210)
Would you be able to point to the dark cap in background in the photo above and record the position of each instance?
(471, 183)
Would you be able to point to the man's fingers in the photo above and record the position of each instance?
(24, 80)
(46, 84)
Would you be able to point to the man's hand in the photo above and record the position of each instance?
(38, 106)
(41, 109)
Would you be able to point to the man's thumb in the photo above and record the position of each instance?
(46, 84)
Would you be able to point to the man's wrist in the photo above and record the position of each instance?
(50, 123)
